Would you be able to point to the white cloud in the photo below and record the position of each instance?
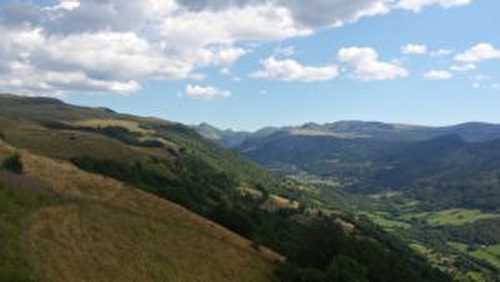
(205, 92)
(116, 45)
(320, 13)
(105, 57)
(223, 57)
(59, 82)
(291, 70)
(438, 75)
(311, 14)
(65, 5)
(414, 49)
(463, 67)
(418, 5)
(367, 66)
(479, 53)
(253, 23)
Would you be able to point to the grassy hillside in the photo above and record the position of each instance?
(63, 224)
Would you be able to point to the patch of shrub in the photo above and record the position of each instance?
(13, 164)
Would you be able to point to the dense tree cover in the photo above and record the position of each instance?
(365, 255)
(481, 232)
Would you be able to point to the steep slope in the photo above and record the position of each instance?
(77, 226)
(227, 138)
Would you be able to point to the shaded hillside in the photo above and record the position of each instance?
(226, 138)
(229, 138)
(445, 171)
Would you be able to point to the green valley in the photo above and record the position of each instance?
(430, 187)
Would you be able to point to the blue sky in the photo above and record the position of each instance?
(315, 80)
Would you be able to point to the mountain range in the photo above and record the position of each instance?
(471, 132)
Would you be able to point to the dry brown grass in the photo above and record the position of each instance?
(275, 203)
(107, 231)
(132, 126)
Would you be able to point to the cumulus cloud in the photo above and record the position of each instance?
(205, 92)
(291, 70)
(305, 13)
(438, 75)
(320, 13)
(366, 65)
(106, 55)
(116, 45)
(91, 60)
(414, 49)
(478, 53)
